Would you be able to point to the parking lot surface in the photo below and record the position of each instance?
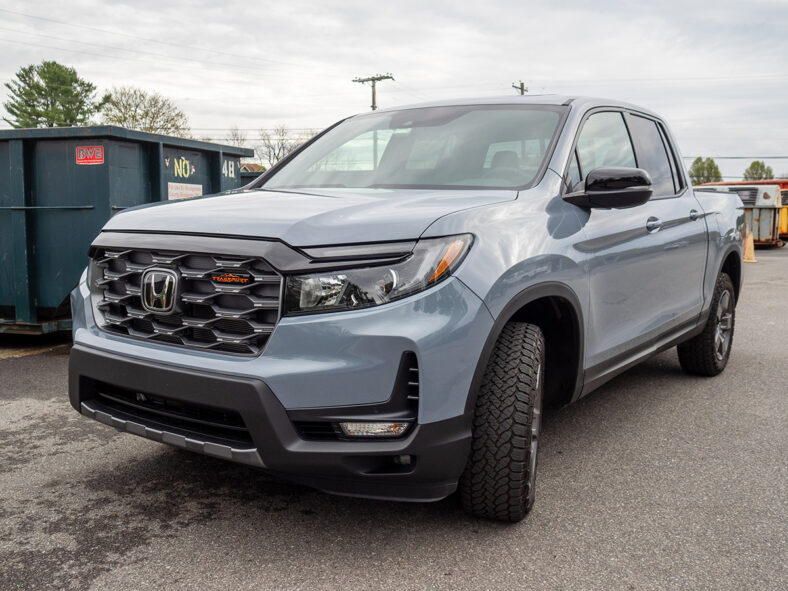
(656, 481)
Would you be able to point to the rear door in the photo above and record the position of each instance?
(645, 263)
(676, 215)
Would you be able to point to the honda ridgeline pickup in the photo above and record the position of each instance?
(386, 312)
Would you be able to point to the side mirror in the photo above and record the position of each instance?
(612, 188)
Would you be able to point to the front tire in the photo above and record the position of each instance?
(498, 482)
(707, 354)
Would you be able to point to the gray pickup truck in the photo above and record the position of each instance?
(386, 312)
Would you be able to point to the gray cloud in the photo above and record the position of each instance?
(719, 72)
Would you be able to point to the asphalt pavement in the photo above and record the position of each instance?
(657, 480)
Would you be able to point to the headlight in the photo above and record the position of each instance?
(431, 261)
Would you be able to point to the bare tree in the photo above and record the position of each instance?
(135, 108)
(275, 144)
(236, 137)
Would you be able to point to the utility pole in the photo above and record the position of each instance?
(521, 87)
(373, 80)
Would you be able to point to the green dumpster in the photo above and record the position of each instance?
(58, 186)
(247, 177)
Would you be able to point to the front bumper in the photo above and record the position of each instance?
(314, 368)
(438, 450)
(340, 359)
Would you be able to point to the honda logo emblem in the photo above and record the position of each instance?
(159, 287)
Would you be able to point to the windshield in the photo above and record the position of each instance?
(500, 146)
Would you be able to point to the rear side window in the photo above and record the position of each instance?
(652, 155)
(604, 141)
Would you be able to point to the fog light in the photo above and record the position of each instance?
(374, 429)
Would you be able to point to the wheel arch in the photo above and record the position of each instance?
(731, 264)
(556, 309)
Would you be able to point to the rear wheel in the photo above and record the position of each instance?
(707, 354)
(498, 482)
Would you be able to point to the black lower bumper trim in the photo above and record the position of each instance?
(437, 451)
(242, 456)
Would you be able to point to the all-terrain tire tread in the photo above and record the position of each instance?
(495, 484)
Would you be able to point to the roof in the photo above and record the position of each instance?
(515, 99)
(582, 102)
(121, 133)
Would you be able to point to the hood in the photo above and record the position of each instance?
(330, 216)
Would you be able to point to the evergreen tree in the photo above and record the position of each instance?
(758, 171)
(50, 95)
(704, 171)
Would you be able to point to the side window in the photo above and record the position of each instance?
(678, 182)
(652, 155)
(604, 141)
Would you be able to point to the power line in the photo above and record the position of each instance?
(544, 83)
(63, 49)
(135, 51)
(521, 87)
(646, 81)
(170, 43)
(739, 157)
(160, 58)
(373, 80)
(280, 62)
(233, 100)
(92, 54)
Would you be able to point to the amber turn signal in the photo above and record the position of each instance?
(452, 252)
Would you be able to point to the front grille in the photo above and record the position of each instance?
(210, 314)
(197, 421)
(784, 193)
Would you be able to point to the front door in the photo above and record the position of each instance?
(645, 264)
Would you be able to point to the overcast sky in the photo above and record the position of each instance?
(716, 70)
